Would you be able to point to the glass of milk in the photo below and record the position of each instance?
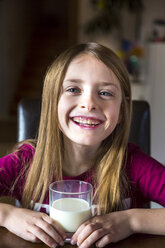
(70, 203)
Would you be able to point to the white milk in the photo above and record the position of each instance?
(70, 213)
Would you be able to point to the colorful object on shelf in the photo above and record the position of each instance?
(132, 55)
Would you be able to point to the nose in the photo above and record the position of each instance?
(89, 102)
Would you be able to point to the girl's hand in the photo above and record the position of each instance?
(103, 230)
(34, 226)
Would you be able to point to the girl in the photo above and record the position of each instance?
(83, 134)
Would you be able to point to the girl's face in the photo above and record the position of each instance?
(90, 100)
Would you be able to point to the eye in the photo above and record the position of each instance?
(73, 90)
(105, 93)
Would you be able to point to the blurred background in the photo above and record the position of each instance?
(34, 32)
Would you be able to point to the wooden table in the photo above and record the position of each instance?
(9, 240)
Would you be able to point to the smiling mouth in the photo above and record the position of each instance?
(87, 122)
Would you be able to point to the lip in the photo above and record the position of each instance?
(87, 122)
(92, 117)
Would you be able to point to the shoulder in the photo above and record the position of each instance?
(26, 149)
(141, 164)
(146, 176)
(23, 153)
(134, 153)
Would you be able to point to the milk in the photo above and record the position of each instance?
(70, 213)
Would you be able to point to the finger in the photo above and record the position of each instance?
(30, 237)
(81, 228)
(50, 231)
(91, 239)
(44, 237)
(107, 239)
(77, 233)
(87, 231)
(58, 228)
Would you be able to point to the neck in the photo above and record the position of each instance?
(78, 158)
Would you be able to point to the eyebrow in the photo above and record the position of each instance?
(109, 84)
(73, 80)
(81, 81)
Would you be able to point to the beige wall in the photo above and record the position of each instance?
(86, 12)
(153, 10)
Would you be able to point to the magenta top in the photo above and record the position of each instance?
(146, 177)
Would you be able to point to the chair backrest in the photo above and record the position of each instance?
(29, 116)
(140, 125)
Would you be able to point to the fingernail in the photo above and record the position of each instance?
(54, 246)
(73, 242)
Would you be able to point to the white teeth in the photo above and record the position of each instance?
(90, 122)
(86, 122)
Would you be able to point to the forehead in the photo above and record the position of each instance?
(85, 64)
(87, 59)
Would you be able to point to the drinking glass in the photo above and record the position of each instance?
(70, 203)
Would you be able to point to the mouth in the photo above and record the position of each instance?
(86, 121)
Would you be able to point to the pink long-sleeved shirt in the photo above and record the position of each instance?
(146, 177)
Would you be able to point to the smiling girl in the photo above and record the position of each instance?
(83, 135)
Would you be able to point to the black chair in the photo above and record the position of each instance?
(29, 116)
(140, 125)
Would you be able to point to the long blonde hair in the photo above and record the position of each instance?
(47, 164)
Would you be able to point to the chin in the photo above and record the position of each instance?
(87, 143)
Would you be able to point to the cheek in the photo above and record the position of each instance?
(118, 111)
(118, 115)
(62, 106)
(63, 111)
(113, 116)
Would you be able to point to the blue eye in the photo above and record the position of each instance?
(73, 90)
(105, 93)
